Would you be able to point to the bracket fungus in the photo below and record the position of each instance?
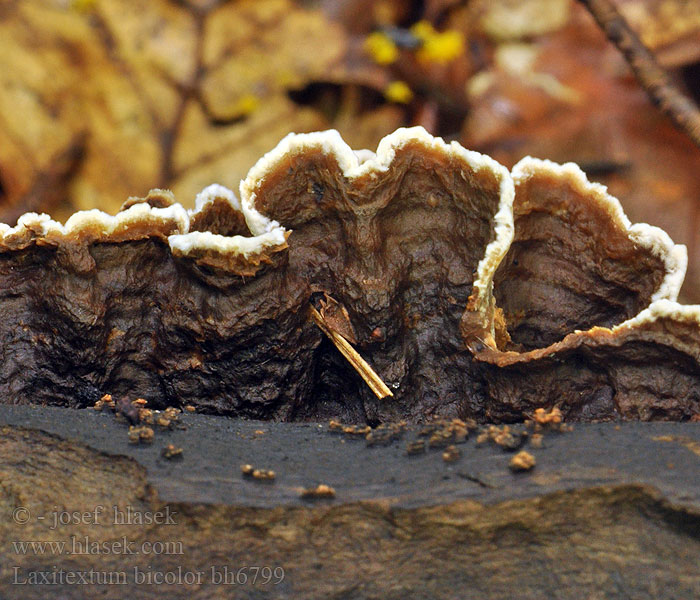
(471, 291)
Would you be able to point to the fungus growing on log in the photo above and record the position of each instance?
(460, 309)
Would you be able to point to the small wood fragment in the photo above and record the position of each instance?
(522, 461)
(171, 451)
(260, 474)
(451, 453)
(320, 491)
(373, 380)
(415, 447)
(140, 434)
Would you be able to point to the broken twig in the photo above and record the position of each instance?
(358, 363)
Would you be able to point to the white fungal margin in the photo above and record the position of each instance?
(654, 239)
(95, 222)
(663, 309)
(363, 163)
(267, 233)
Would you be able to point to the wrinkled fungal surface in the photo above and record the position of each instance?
(472, 292)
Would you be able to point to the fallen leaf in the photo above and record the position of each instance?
(107, 99)
(671, 28)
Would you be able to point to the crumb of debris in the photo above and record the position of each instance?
(264, 474)
(382, 435)
(146, 416)
(259, 432)
(439, 439)
(552, 420)
(190, 408)
(170, 451)
(458, 428)
(542, 417)
(320, 491)
(415, 447)
(140, 402)
(386, 433)
(104, 402)
(522, 461)
(442, 433)
(334, 425)
(140, 434)
(451, 453)
(261, 474)
(163, 421)
(356, 430)
(536, 440)
(503, 436)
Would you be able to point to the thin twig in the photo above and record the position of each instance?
(682, 110)
(358, 363)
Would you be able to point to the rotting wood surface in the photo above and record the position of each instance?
(608, 511)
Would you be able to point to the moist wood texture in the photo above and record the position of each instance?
(607, 511)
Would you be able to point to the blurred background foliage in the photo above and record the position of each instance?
(105, 99)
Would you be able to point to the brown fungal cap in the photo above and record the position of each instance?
(413, 245)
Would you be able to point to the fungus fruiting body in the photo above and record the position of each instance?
(471, 291)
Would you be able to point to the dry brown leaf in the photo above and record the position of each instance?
(671, 28)
(108, 98)
(517, 19)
